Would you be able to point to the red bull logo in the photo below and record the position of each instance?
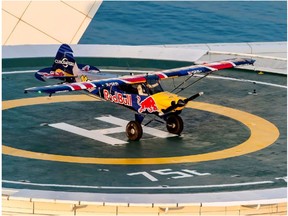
(148, 104)
(57, 73)
(52, 73)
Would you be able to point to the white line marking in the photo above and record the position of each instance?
(148, 130)
(100, 136)
(112, 120)
(243, 80)
(86, 133)
(141, 188)
(157, 133)
(19, 72)
(110, 130)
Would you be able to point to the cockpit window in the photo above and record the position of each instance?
(153, 84)
(128, 89)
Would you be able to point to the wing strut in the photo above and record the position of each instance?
(177, 87)
(181, 89)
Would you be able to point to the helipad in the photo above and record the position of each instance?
(233, 144)
(73, 147)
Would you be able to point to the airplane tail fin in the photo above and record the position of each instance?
(63, 68)
(66, 69)
(64, 60)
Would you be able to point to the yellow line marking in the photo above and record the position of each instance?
(44, 100)
(263, 134)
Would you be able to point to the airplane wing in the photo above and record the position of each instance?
(96, 85)
(204, 68)
(51, 89)
(50, 73)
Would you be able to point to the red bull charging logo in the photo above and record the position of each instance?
(148, 104)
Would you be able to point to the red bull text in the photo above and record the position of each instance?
(118, 98)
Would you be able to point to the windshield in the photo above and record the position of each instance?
(153, 84)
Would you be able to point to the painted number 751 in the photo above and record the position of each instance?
(184, 173)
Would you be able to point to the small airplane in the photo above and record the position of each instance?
(142, 93)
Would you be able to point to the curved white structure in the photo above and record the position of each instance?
(270, 57)
(46, 22)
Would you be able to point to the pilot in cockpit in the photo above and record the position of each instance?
(141, 90)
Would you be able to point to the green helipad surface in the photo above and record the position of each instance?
(37, 133)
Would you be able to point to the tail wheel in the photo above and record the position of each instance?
(134, 130)
(174, 124)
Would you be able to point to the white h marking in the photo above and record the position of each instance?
(100, 136)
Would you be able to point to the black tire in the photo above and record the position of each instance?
(174, 124)
(134, 131)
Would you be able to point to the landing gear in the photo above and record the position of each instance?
(134, 130)
(174, 124)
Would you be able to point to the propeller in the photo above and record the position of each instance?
(193, 97)
(181, 102)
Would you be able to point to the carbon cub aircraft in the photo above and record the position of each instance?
(142, 94)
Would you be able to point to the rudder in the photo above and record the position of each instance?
(64, 62)
(66, 69)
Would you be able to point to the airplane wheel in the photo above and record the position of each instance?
(174, 124)
(134, 130)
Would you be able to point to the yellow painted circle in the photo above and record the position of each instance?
(263, 134)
